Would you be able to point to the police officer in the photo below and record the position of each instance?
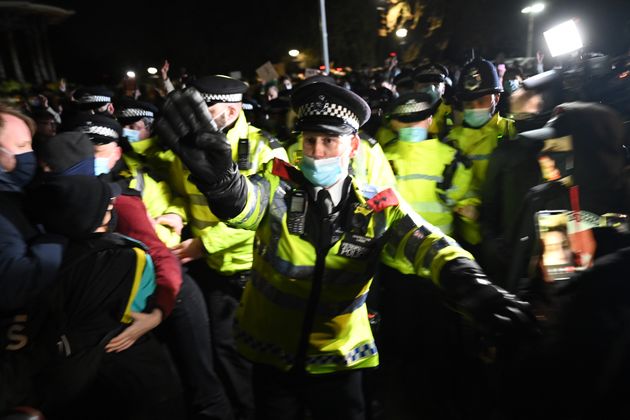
(434, 77)
(431, 176)
(302, 319)
(478, 88)
(95, 100)
(167, 209)
(368, 166)
(403, 83)
(220, 256)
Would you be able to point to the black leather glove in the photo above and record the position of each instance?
(494, 311)
(186, 126)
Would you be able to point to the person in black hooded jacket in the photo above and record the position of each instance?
(578, 369)
(586, 142)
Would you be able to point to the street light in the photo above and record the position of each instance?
(294, 53)
(131, 74)
(531, 10)
(401, 32)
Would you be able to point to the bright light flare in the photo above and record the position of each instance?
(563, 38)
(534, 8)
(401, 32)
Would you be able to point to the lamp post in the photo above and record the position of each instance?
(322, 15)
(531, 10)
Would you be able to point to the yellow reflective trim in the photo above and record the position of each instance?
(141, 262)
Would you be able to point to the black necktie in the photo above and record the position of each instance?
(324, 202)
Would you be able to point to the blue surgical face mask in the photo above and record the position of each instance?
(510, 86)
(477, 117)
(412, 134)
(101, 166)
(322, 172)
(131, 135)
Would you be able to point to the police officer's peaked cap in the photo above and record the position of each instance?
(430, 73)
(413, 106)
(129, 110)
(327, 108)
(324, 78)
(478, 78)
(99, 128)
(404, 79)
(93, 97)
(219, 88)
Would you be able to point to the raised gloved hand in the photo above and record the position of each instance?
(186, 126)
(494, 311)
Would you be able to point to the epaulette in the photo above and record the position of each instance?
(286, 171)
(274, 143)
(382, 200)
(371, 140)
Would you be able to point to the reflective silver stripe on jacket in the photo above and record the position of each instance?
(262, 347)
(288, 301)
(419, 176)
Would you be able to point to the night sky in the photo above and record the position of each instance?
(103, 39)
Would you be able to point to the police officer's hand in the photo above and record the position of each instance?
(186, 127)
(184, 112)
(496, 312)
(493, 311)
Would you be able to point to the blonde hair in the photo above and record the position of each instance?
(5, 109)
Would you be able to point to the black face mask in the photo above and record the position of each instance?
(25, 168)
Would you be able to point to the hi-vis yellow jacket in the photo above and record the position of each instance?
(430, 178)
(442, 121)
(477, 144)
(305, 305)
(227, 250)
(156, 193)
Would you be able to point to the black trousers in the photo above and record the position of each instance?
(429, 360)
(222, 294)
(187, 335)
(289, 396)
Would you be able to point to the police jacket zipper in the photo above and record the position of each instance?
(323, 244)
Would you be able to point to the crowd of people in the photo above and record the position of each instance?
(211, 248)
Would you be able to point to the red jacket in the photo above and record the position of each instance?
(133, 222)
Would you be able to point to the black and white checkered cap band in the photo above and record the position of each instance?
(99, 130)
(220, 97)
(329, 110)
(89, 99)
(136, 112)
(411, 108)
